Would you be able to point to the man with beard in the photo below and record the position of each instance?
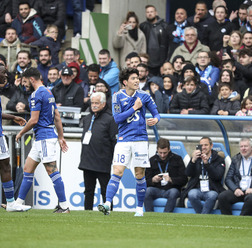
(155, 30)
(247, 40)
(45, 63)
(143, 76)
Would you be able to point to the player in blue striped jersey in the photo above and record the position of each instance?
(44, 118)
(129, 108)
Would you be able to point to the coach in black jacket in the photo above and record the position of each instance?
(167, 186)
(98, 141)
(205, 168)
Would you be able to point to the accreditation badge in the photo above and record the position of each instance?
(245, 182)
(87, 138)
(204, 185)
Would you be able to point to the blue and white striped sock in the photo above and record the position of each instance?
(58, 186)
(112, 187)
(140, 191)
(26, 185)
(8, 191)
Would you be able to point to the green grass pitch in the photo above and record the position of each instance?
(42, 228)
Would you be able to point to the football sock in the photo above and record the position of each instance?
(8, 191)
(58, 186)
(26, 185)
(112, 188)
(140, 191)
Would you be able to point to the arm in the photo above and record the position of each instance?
(174, 106)
(30, 124)
(153, 109)
(229, 180)
(215, 107)
(19, 120)
(58, 124)
(203, 108)
(214, 75)
(111, 77)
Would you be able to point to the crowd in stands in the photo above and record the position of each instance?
(200, 64)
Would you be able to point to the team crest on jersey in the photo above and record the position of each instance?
(117, 108)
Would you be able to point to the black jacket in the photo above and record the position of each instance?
(233, 176)
(197, 100)
(5, 7)
(176, 170)
(246, 72)
(215, 170)
(98, 154)
(71, 95)
(157, 41)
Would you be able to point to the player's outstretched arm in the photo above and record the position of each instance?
(17, 119)
(30, 124)
(58, 124)
(152, 121)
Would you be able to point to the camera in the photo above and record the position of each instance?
(199, 147)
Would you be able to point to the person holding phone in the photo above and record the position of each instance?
(165, 177)
(206, 170)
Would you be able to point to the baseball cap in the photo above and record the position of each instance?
(67, 71)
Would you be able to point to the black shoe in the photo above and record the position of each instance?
(60, 210)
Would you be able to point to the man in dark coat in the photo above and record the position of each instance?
(98, 141)
(165, 178)
(206, 170)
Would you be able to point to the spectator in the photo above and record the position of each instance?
(228, 103)
(82, 64)
(128, 58)
(201, 19)
(99, 139)
(246, 107)
(247, 40)
(167, 68)
(129, 38)
(177, 63)
(68, 57)
(241, 19)
(11, 77)
(28, 24)
(248, 25)
(102, 86)
(109, 71)
(209, 74)
(68, 93)
(176, 34)
(5, 17)
(213, 36)
(93, 71)
(169, 85)
(191, 47)
(135, 61)
(145, 58)
(165, 177)
(45, 63)
(206, 170)
(143, 76)
(11, 45)
(52, 12)
(156, 88)
(53, 77)
(155, 30)
(15, 4)
(49, 41)
(238, 181)
(191, 100)
(23, 62)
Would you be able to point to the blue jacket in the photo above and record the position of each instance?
(44, 72)
(110, 74)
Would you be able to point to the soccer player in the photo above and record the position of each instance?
(5, 168)
(44, 118)
(129, 107)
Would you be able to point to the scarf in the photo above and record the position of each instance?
(204, 75)
(187, 47)
(178, 34)
(133, 33)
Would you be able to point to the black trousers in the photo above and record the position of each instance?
(227, 198)
(90, 183)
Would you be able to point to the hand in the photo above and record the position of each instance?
(225, 56)
(196, 154)
(179, 88)
(138, 104)
(204, 158)
(244, 110)
(225, 40)
(196, 18)
(63, 145)
(184, 112)
(152, 121)
(157, 179)
(167, 178)
(122, 28)
(17, 82)
(19, 120)
(18, 136)
(238, 192)
(248, 191)
(220, 112)
(58, 104)
(20, 107)
(8, 18)
(233, 15)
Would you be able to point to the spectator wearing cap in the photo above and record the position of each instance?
(191, 100)
(102, 86)
(67, 92)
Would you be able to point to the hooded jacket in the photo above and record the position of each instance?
(30, 29)
(77, 67)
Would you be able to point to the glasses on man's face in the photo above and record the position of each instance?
(190, 35)
(203, 57)
(53, 32)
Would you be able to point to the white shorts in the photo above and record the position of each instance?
(4, 151)
(44, 150)
(132, 154)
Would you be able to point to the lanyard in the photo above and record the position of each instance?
(166, 167)
(91, 124)
(202, 165)
(249, 170)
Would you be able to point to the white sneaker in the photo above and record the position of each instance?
(138, 214)
(15, 207)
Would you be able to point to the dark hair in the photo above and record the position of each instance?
(24, 2)
(247, 32)
(3, 59)
(32, 72)
(191, 78)
(150, 6)
(214, 59)
(132, 14)
(53, 68)
(163, 143)
(230, 75)
(93, 67)
(225, 85)
(131, 55)
(243, 6)
(45, 49)
(125, 74)
(178, 57)
(68, 49)
(201, 2)
(24, 51)
(11, 29)
(244, 52)
(209, 139)
(104, 51)
(144, 66)
(249, 97)
(227, 61)
(221, 6)
(136, 56)
(76, 51)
